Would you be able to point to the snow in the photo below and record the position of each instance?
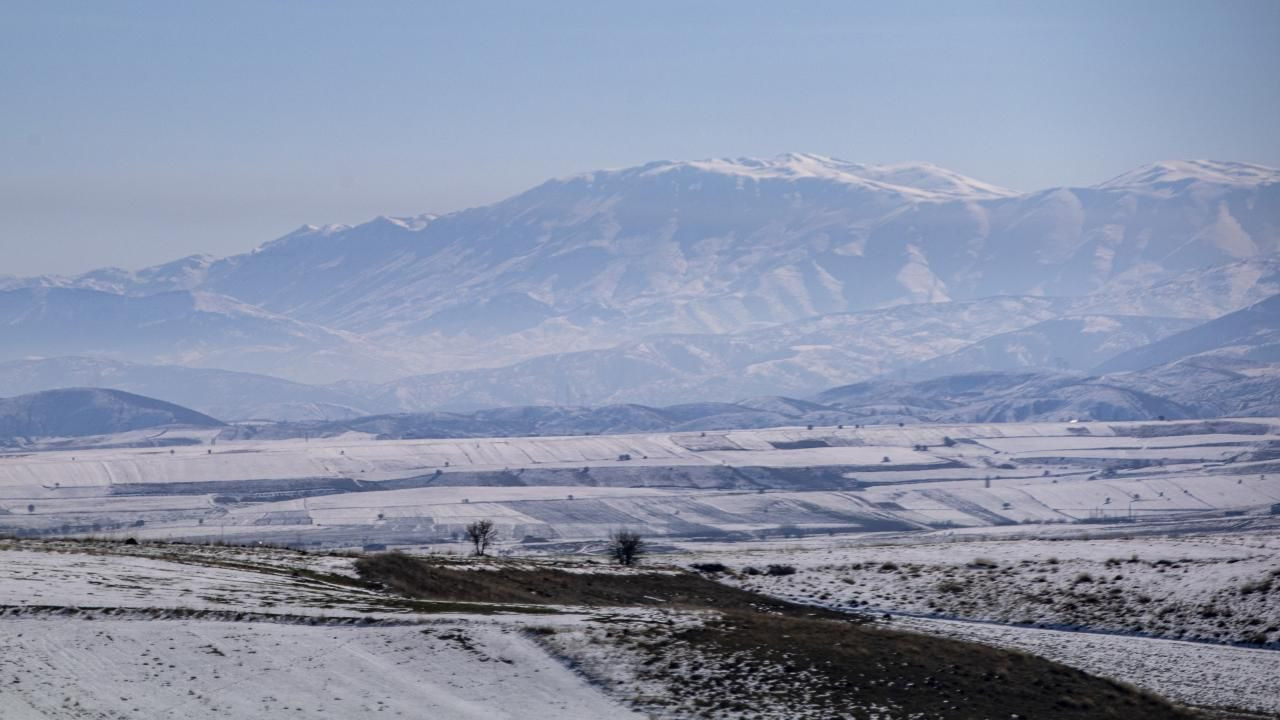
(1201, 171)
(1195, 673)
(675, 484)
(93, 630)
(917, 180)
(1009, 579)
(56, 669)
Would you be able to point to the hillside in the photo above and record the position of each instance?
(223, 394)
(319, 635)
(1249, 334)
(179, 327)
(1062, 344)
(90, 411)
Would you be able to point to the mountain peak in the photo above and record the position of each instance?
(1160, 175)
(917, 180)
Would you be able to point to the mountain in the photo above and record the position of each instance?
(1068, 343)
(962, 398)
(1252, 333)
(1213, 384)
(1000, 397)
(220, 393)
(1202, 293)
(1229, 366)
(792, 358)
(180, 327)
(75, 412)
(668, 268)
(724, 245)
(572, 420)
(1176, 176)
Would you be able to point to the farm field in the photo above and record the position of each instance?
(356, 490)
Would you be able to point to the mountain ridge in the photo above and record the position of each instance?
(600, 260)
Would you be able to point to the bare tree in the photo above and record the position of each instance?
(482, 533)
(626, 546)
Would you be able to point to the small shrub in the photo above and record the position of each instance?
(711, 567)
(1083, 577)
(1259, 586)
(777, 570)
(750, 570)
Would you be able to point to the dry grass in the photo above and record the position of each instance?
(768, 658)
(751, 659)
(429, 579)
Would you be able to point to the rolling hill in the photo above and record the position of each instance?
(74, 412)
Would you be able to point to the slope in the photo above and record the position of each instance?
(90, 411)
(1255, 330)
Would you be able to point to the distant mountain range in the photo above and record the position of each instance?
(665, 283)
(1229, 366)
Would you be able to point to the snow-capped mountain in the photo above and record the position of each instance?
(707, 248)
(1178, 175)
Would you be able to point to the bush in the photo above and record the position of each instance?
(776, 570)
(711, 567)
(749, 570)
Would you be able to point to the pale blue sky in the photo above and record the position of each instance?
(137, 132)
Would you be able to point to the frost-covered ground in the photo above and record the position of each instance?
(101, 630)
(1125, 598)
(1214, 588)
(58, 668)
(1195, 673)
(109, 630)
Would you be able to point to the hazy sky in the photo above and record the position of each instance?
(133, 133)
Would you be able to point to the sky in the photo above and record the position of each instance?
(132, 133)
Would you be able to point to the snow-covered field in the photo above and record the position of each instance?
(355, 490)
(100, 630)
(58, 668)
